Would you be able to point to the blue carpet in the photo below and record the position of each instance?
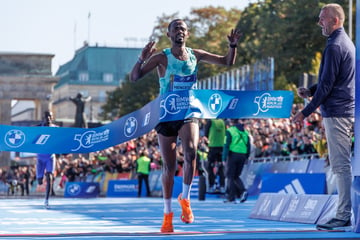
(140, 218)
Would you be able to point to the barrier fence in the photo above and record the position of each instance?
(252, 175)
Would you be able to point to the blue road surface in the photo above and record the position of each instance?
(141, 218)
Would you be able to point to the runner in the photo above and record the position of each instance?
(173, 65)
(46, 162)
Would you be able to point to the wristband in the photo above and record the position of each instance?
(140, 61)
(233, 45)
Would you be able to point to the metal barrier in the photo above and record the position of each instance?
(285, 158)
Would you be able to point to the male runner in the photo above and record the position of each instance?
(46, 162)
(173, 65)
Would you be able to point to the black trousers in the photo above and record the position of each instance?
(214, 157)
(234, 166)
(144, 177)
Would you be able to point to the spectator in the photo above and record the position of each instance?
(215, 135)
(71, 172)
(306, 146)
(320, 144)
(25, 179)
(236, 152)
(335, 95)
(143, 171)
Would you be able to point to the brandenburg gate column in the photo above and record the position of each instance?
(24, 76)
(5, 118)
(5, 111)
(40, 107)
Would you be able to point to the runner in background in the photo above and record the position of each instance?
(45, 165)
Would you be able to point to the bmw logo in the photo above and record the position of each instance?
(130, 126)
(14, 138)
(215, 103)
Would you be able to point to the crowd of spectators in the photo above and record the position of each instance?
(270, 138)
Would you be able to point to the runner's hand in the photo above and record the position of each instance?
(148, 50)
(234, 36)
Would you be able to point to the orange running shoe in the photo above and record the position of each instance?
(167, 226)
(186, 213)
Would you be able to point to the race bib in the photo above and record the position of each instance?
(180, 83)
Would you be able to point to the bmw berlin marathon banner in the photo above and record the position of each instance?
(171, 106)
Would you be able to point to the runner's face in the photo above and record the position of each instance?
(178, 32)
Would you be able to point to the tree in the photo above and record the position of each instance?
(209, 29)
(285, 30)
(130, 96)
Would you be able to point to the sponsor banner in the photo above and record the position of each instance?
(294, 183)
(168, 107)
(270, 206)
(194, 191)
(304, 208)
(155, 181)
(329, 210)
(301, 208)
(331, 184)
(81, 190)
(177, 189)
(316, 165)
(122, 188)
(107, 177)
(252, 176)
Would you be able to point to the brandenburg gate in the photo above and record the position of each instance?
(24, 76)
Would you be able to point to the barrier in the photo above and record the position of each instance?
(329, 209)
(270, 206)
(81, 190)
(252, 174)
(177, 189)
(305, 208)
(254, 170)
(155, 183)
(301, 208)
(122, 188)
(299, 166)
(294, 183)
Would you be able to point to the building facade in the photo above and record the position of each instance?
(93, 72)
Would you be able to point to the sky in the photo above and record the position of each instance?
(60, 27)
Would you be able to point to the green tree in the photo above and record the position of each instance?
(286, 30)
(130, 96)
(209, 29)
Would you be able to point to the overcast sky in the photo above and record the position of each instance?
(60, 27)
